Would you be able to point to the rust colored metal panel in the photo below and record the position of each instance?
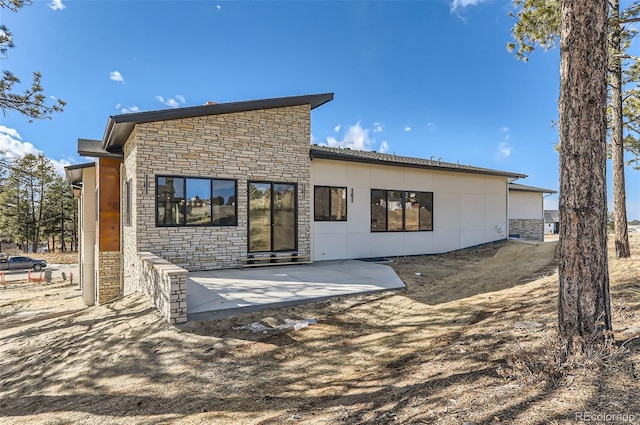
(109, 207)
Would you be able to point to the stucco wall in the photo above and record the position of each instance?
(469, 209)
(87, 239)
(264, 145)
(525, 205)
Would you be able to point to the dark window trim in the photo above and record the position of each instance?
(295, 215)
(184, 207)
(346, 208)
(404, 224)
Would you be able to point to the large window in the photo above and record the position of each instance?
(330, 203)
(401, 211)
(195, 201)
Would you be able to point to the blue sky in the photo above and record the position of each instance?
(417, 78)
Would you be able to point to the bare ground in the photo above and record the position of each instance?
(470, 340)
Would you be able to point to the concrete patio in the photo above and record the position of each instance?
(218, 293)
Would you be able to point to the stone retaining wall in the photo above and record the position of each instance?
(165, 284)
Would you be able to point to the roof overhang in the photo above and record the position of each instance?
(119, 127)
(73, 173)
(525, 188)
(93, 149)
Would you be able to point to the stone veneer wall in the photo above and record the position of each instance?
(530, 229)
(263, 145)
(108, 284)
(129, 234)
(164, 284)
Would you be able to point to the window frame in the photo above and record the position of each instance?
(183, 208)
(127, 202)
(330, 188)
(404, 198)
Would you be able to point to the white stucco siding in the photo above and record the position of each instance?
(468, 209)
(88, 236)
(525, 205)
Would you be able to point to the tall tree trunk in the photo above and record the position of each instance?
(617, 141)
(584, 311)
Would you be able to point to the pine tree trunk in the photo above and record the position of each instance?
(584, 312)
(617, 141)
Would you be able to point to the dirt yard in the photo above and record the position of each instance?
(470, 341)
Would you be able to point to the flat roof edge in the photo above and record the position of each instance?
(337, 156)
(80, 166)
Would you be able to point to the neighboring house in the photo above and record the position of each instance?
(526, 211)
(215, 186)
(551, 222)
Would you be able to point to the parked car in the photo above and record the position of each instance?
(19, 262)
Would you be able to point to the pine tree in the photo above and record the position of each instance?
(584, 310)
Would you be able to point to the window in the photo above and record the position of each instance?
(127, 203)
(224, 202)
(378, 210)
(198, 201)
(330, 203)
(195, 201)
(401, 211)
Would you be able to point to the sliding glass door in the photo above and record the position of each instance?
(272, 216)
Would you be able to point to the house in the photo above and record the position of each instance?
(551, 222)
(220, 185)
(526, 211)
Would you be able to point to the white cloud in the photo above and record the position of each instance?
(130, 110)
(504, 149)
(12, 146)
(118, 106)
(218, 7)
(11, 132)
(377, 127)
(407, 128)
(172, 102)
(356, 138)
(461, 4)
(56, 5)
(337, 128)
(116, 76)
(59, 165)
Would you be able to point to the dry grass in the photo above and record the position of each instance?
(58, 257)
(471, 339)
